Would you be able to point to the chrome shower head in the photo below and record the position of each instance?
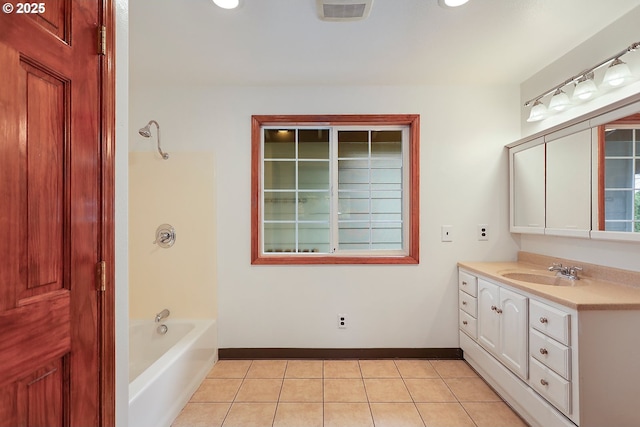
(146, 132)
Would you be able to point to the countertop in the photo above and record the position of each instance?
(600, 288)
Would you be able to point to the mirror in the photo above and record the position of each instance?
(527, 188)
(618, 201)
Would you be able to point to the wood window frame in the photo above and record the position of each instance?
(410, 120)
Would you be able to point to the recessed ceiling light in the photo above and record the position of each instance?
(227, 4)
(451, 3)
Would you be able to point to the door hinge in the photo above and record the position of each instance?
(102, 40)
(101, 270)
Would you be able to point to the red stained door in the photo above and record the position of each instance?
(50, 189)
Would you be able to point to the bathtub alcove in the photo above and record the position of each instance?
(166, 369)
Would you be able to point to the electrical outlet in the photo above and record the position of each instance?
(446, 233)
(483, 232)
(342, 321)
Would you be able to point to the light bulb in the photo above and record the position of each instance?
(585, 88)
(538, 112)
(559, 101)
(617, 73)
(451, 3)
(227, 4)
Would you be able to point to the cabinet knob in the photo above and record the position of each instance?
(544, 382)
(464, 283)
(464, 322)
(499, 310)
(543, 320)
(464, 303)
(543, 351)
(494, 308)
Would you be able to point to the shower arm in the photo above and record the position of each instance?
(164, 155)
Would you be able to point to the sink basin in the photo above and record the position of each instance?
(540, 279)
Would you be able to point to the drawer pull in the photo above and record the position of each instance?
(464, 283)
(464, 303)
(544, 382)
(544, 320)
(543, 351)
(464, 322)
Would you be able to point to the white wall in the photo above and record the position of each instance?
(604, 44)
(464, 182)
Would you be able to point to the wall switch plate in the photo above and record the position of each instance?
(483, 232)
(447, 233)
(342, 321)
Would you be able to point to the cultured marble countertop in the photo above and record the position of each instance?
(600, 288)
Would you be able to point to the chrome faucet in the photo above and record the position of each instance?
(568, 272)
(162, 315)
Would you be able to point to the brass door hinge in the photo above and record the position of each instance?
(101, 270)
(102, 40)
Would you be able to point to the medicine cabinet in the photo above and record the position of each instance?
(581, 180)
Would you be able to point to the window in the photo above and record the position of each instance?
(335, 189)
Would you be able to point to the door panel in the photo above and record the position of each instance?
(49, 186)
(513, 331)
(488, 319)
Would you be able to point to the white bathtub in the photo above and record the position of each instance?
(165, 370)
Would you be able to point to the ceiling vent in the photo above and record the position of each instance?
(343, 10)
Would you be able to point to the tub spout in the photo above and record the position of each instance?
(162, 315)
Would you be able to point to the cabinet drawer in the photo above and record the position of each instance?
(550, 353)
(550, 385)
(467, 303)
(550, 321)
(468, 324)
(468, 283)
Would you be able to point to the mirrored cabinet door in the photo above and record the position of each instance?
(528, 188)
(568, 185)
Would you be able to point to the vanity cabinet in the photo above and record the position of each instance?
(555, 365)
(502, 325)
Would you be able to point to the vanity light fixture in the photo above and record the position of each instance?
(559, 101)
(617, 74)
(585, 88)
(227, 4)
(538, 112)
(451, 3)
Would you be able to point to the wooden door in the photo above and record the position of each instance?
(50, 220)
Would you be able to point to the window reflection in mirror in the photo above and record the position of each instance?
(619, 178)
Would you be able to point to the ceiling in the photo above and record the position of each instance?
(402, 42)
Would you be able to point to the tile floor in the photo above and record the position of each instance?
(345, 393)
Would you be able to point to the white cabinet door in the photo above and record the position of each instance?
(513, 331)
(488, 319)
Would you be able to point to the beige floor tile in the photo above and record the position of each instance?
(342, 369)
(267, 369)
(344, 390)
(493, 414)
(217, 390)
(379, 369)
(301, 390)
(259, 390)
(396, 415)
(429, 390)
(471, 390)
(453, 368)
(347, 415)
(250, 415)
(229, 369)
(416, 369)
(299, 415)
(202, 415)
(304, 369)
(386, 390)
(444, 415)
